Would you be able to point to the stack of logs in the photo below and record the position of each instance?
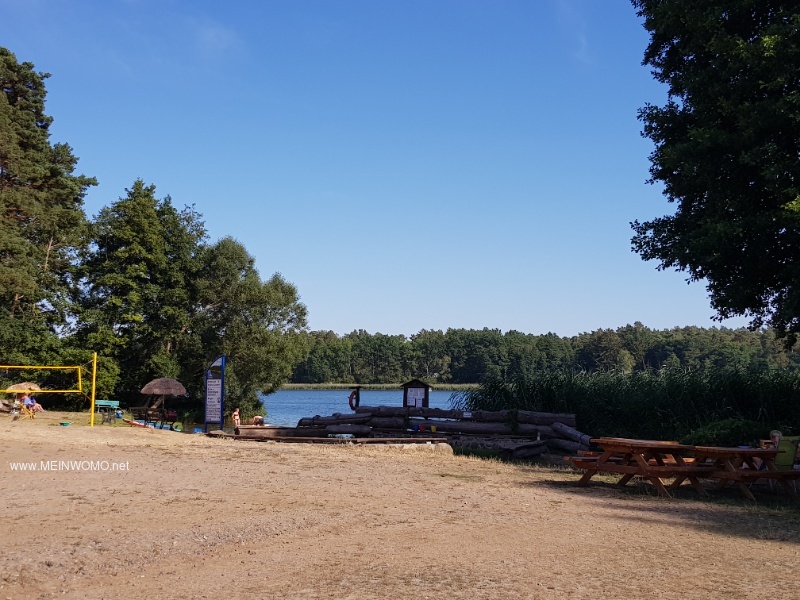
(514, 434)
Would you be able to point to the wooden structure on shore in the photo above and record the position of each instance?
(514, 434)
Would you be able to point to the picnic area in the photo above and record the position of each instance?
(657, 460)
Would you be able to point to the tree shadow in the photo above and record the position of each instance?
(774, 516)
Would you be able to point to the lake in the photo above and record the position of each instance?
(287, 407)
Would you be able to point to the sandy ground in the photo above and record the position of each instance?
(194, 517)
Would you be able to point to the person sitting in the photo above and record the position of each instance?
(35, 406)
(25, 404)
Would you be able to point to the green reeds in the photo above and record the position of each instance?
(668, 404)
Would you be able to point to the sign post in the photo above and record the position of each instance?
(215, 393)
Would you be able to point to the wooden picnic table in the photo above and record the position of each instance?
(657, 460)
(744, 466)
(653, 460)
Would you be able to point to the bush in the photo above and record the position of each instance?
(730, 432)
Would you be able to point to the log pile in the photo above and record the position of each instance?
(514, 434)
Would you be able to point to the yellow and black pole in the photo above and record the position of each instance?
(94, 380)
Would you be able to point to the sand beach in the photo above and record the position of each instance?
(122, 512)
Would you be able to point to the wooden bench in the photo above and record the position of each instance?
(668, 469)
(750, 475)
(154, 415)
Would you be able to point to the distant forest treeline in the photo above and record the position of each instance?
(469, 355)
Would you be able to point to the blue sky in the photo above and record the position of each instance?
(407, 164)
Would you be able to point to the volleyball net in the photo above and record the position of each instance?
(14, 377)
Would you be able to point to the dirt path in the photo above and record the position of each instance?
(193, 517)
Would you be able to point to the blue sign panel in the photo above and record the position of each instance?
(215, 393)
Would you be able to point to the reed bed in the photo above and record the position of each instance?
(668, 404)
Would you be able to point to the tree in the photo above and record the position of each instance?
(603, 350)
(476, 354)
(727, 151)
(257, 324)
(41, 217)
(637, 340)
(431, 360)
(319, 363)
(138, 279)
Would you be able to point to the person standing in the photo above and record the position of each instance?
(236, 420)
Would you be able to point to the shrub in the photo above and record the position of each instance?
(730, 432)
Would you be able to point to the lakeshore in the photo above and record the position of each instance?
(444, 387)
(193, 517)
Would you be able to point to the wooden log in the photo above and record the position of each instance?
(338, 418)
(523, 416)
(571, 434)
(565, 445)
(410, 411)
(387, 423)
(478, 428)
(491, 416)
(357, 430)
(543, 418)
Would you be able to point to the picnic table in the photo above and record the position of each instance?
(744, 466)
(107, 409)
(654, 460)
(657, 460)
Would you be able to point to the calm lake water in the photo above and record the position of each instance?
(287, 407)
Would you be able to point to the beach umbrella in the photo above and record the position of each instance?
(164, 386)
(25, 386)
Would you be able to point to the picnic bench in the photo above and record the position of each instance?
(155, 415)
(656, 460)
(651, 459)
(107, 409)
(738, 466)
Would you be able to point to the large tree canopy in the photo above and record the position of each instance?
(256, 323)
(41, 216)
(137, 280)
(727, 151)
(160, 302)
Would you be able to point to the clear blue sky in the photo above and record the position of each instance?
(408, 164)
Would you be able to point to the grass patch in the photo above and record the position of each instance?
(476, 452)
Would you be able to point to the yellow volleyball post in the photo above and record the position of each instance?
(94, 380)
